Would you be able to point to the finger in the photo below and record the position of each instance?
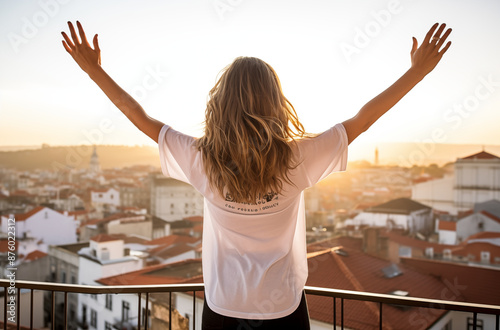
(68, 49)
(414, 46)
(437, 35)
(83, 37)
(76, 41)
(430, 33)
(96, 43)
(68, 41)
(444, 49)
(443, 38)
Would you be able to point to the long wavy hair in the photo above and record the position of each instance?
(249, 127)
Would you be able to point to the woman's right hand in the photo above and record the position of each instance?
(425, 58)
(87, 58)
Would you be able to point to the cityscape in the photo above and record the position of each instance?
(423, 231)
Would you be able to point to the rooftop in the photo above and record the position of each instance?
(481, 155)
(177, 272)
(360, 272)
(398, 206)
(472, 283)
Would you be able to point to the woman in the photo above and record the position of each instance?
(252, 166)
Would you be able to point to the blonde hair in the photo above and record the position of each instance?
(249, 125)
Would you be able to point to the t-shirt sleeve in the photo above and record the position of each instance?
(324, 154)
(177, 154)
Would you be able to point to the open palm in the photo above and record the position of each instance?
(86, 57)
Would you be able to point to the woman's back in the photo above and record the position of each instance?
(254, 254)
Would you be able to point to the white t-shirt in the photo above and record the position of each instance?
(254, 255)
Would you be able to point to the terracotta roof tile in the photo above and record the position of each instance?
(416, 243)
(475, 250)
(157, 274)
(483, 235)
(172, 239)
(359, 271)
(107, 238)
(37, 254)
(24, 216)
(491, 216)
(463, 279)
(447, 225)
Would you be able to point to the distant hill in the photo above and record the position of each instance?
(79, 157)
(47, 157)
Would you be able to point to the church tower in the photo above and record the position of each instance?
(94, 162)
(376, 156)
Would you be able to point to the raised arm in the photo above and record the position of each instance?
(423, 60)
(89, 61)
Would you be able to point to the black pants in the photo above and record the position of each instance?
(299, 320)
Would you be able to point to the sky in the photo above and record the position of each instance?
(332, 56)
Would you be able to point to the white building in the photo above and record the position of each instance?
(43, 224)
(400, 213)
(437, 193)
(486, 218)
(174, 200)
(105, 199)
(106, 256)
(476, 179)
(115, 306)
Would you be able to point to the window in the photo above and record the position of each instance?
(109, 302)
(84, 313)
(107, 326)
(93, 318)
(125, 311)
(104, 254)
(93, 296)
(447, 326)
(73, 279)
(111, 196)
(485, 257)
(63, 276)
(470, 324)
(100, 195)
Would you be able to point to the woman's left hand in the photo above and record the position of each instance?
(87, 58)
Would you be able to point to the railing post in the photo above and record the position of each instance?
(31, 309)
(146, 312)
(65, 310)
(170, 310)
(194, 310)
(380, 317)
(139, 312)
(342, 313)
(334, 313)
(53, 310)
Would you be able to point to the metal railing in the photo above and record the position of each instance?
(146, 290)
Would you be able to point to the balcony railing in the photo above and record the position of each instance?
(144, 291)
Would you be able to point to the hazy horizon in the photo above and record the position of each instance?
(403, 154)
